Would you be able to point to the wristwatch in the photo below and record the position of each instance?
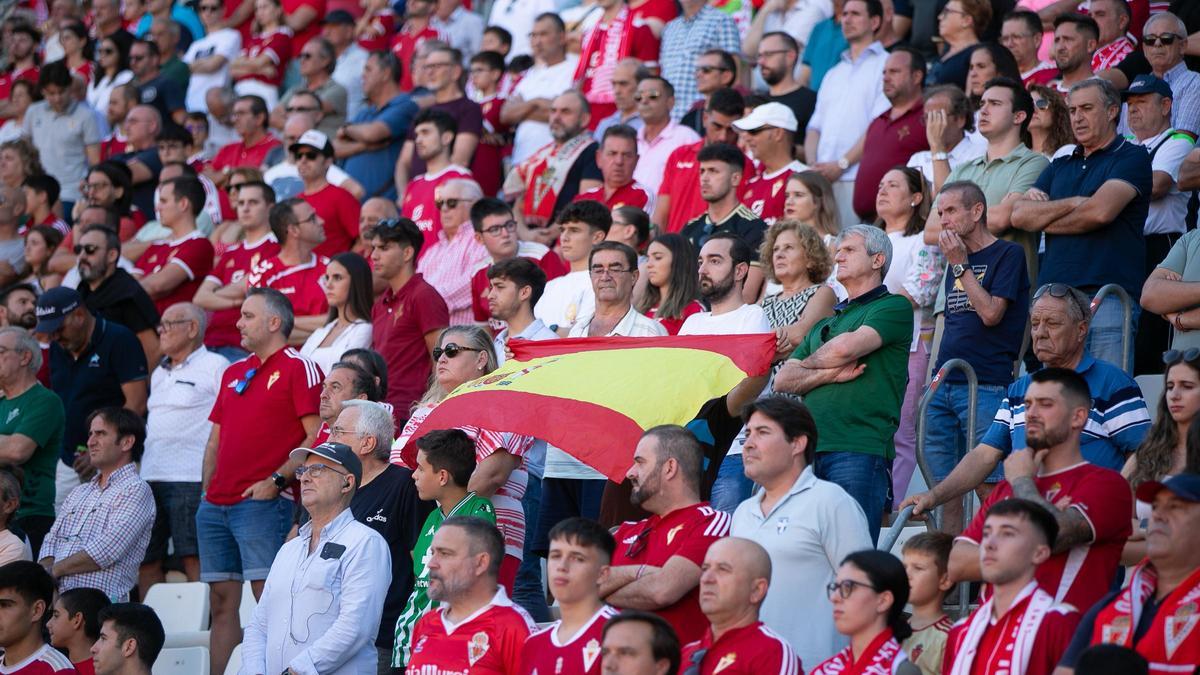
(940, 157)
(843, 163)
(958, 270)
(279, 479)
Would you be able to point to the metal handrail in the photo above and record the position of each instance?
(1126, 327)
(888, 539)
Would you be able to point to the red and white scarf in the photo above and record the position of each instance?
(882, 657)
(603, 47)
(1040, 602)
(1165, 645)
(543, 176)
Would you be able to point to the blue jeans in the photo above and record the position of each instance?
(866, 478)
(1104, 336)
(946, 426)
(240, 541)
(233, 354)
(731, 486)
(527, 588)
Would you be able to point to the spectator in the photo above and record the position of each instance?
(832, 142)
(443, 72)
(12, 246)
(29, 589)
(414, 33)
(598, 59)
(335, 207)
(612, 267)
(926, 557)
(639, 643)
(1149, 102)
(1019, 537)
(660, 571)
(347, 284)
(659, 135)
(457, 253)
(349, 58)
(580, 553)
(250, 120)
(799, 264)
(570, 298)
(672, 282)
(987, 305)
(764, 192)
(1163, 46)
(1093, 219)
(496, 229)
(284, 176)
(121, 624)
(434, 134)
(326, 629)
(166, 33)
(24, 94)
(617, 159)
(187, 380)
(344, 381)
(1021, 34)
(625, 76)
(462, 27)
(898, 133)
(41, 196)
(509, 302)
(19, 160)
(543, 184)
(989, 60)
(242, 520)
(317, 64)
(208, 58)
(13, 545)
(64, 130)
(961, 25)
(530, 106)
(795, 19)
(374, 28)
(173, 149)
(370, 143)
(156, 90)
(698, 29)
(74, 625)
(489, 86)
(1076, 37)
(94, 363)
(948, 120)
(1115, 43)
(169, 11)
(464, 566)
(41, 241)
(121, 100)
(631, 226)
(171, 270)
(107, 20)
(296, 271)
(779, 75)
(21, 46)
(258, 70)
(100, 540)
(18, 307)
(829, 524)
(33, 429)
(1158, 583)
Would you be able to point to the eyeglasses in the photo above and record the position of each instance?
(708, 69)
(166, 325)
(106, 51)
(134, 58)
(435, 66)
(314, 471)
(495, 230)
(88, 187)
(601, 270)
(451, 350)
(1062, 291)
(451, 203)
(209, 8)
(310, 155)
(1166, 39)
(234, 188)
(948, 10)
(845, 588)
(1041, 103)
(239, 387)
(301, 108)
(1009, 39)
(312, 218)
(1173, 356)
(341, 431)
(647, 97)
(90, 249)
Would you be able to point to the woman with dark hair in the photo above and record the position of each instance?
(109, 185)
(868, 598)
(810, 200)
(989, 60)
(258, 70)
(348, 289)
(1050, 127)
(672, 284)
(41, 241)
(112, 56)
(372, 362)
(22, 95)
(73, 36)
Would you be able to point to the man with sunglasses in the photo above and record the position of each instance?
(625, 76)
(110, 291)
(660, 135)
(296, 271)
(435, 132)
(328, 625)
(317, 63)
(457, 253)
(496, 229)
(1164, 46)
(612, 38)
(335, 206)
(770, 135)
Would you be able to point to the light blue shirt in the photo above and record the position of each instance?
(319, 611)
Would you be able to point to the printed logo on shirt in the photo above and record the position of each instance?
(1117, 631)
(12, 415)
(725, 662)
(378, 517)
(477, 647)
(420, 644)
(590, 652)
(1180, 625)
(94, 362)
(272, 380)
(781, 525)
(671, 534)
(558, 664)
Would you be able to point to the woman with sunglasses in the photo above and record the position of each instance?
(868, 599)
(466, 353)
(1050, 126)
(41, 241)
(260, 66)
(672, 282)
(112, 56)
(348, 290)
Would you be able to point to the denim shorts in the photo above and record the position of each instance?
(175, 507)
(239, 542)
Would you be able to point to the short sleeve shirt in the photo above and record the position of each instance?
(62, 139)
(122, 299)
(193, 253)
(300, 283)
(546, 652)
(238, 154)
(164, 94)
(741, 221)
(401, 320)
(765, 193)
(233, 266)
(339, 209)
(747, 650)
(37, 414)
(1184, 260)
(469, 116)
(374, 169)
(488, 642)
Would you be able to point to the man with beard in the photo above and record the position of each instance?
(108, 290)
(1091, 504)
(657, 565)
(434, 132)
(777, 56)
(18, 304)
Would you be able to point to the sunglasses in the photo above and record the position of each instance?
(1173, 356)
(209, 8)
(709, 69)
(301, 108)
(1062, 291)
(239, 387)
(451, 351)
(1166, 39)
(1041, 103)
(651, 96)
(90, 249)
(448, 203)
(106, 51)
(310, 155)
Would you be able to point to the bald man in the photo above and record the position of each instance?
(12, 246)
(734, 580)
(624, 85)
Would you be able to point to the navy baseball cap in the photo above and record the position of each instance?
(54, 306)
(1148, 83)
(339, 453)
(339, 16)
(1186, 486)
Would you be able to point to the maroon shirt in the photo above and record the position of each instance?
(891, 142)
(400, 320)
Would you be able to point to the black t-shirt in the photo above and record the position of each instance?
(164, 94)
(951, 70)
(123, 300)
(802, 101)
(741, 222)
(143, 193)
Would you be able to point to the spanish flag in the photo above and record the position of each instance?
(594, 397)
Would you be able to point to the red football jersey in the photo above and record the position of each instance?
(631, 194)
(378, 34)
(494, 146)
(681, 185)
(232, 267)
(45, 661)
(545, 653)
(301, 283)
(238, 154)
(192, 252)
(277, 45)
(405, 44)
(114, 144)
(418, 203)
(686, 532)
(1081, 576)
(749, 650)
(488, 642)
(995, 652)
(339, 210)
(313, 28)
(766, 193)
(7, 79)
(545, 257)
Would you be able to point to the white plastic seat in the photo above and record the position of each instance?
(181, 661)
(246, 609)
(1152, 392)
(183, 608)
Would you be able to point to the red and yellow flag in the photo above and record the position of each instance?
(594, 397)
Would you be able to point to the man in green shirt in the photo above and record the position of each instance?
(31, 428)
(445, 462)
(852, 369)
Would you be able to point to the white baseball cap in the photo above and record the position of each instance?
(313, 139)
(773, 114)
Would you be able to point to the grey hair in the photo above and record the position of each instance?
(194, 313)
(1075, 306)
(375, 421)
(584, 106)
(874, 239)
(1180, 28)
(26, 344)
(1112, 98)
(469, 188)
(278, 306)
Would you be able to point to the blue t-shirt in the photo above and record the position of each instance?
(824, 49)
(1110, 254)
(991, 350)
(374, 169)
(1117, 422)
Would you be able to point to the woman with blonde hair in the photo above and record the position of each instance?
(795, 257)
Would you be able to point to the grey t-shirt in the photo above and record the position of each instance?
(1184, 260)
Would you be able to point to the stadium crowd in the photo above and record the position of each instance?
(248, 248)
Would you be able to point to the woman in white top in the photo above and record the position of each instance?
(348, 289)
(23, 94)
(111, 72)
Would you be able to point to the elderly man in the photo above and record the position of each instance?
(370, 143)
(320, 614)
(529, 108)
(166, 33)
(346, 381)
(449, 263)
(187, 380)
(734, 580)
(613, 269)
(1118, 419)
(827, 523)
(102, 535)
(617, 159)
(950, 143)
(1092, 208)
(1129, 617)
(660, 135)
(625, 76)
(317, 64)
(859, 354)
(1164, 43)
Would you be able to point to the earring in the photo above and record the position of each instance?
(914, 205)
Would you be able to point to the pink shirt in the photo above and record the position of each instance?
(448, 266)
(653, 154)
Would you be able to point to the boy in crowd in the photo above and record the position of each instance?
(927, 559)
(75, 625)
(26, 590)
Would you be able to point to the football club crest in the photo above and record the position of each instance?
(1116, 632)
(781, 524)
(420, 644)
(671, 534)
(558, 666)
(1180, 625)
(477, 647)
(725, 662)
(271, 380)
(591, 651)
(775, 188)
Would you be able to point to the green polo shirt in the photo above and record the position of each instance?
(862, 415)
(37, 414)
